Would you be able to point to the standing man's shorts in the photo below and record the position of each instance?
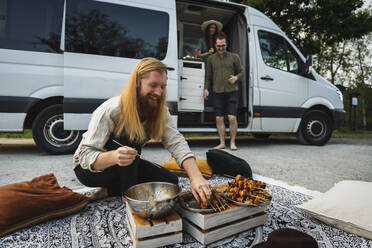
(226, 103)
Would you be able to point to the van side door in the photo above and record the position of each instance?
(283, 88)
(104, 40)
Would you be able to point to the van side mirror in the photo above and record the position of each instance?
(309, 64)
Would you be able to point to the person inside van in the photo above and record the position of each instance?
(223, 72)
(206, 45)
(109, 153)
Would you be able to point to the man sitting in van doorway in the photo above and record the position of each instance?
(223, 72)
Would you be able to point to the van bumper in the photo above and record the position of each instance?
(338, 118)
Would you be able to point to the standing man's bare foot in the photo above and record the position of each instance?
(233, 147)
(220, 146)
(99, 194)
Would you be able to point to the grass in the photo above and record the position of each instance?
(358, 134)
(341, 133)
(27, 134)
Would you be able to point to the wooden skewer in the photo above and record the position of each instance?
(117, 142)
(140, 156)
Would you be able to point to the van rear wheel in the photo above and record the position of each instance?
(49, 134)
(316, 128)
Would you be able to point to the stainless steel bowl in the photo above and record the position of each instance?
(152, 200)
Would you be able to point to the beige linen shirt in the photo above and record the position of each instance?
(104, 120)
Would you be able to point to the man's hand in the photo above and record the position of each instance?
(125, 155)
(211, 50)
(233, 79)
(206, 94)
(201, 189)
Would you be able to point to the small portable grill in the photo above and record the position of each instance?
(150, 215)
(149, 232)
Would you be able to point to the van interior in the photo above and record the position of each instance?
(190, 16)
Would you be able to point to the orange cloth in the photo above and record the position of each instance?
(202, 164)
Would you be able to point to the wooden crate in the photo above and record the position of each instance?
(160, 233)
(208, 228)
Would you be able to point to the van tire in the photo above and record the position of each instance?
(316, 128)
(48, 133)
(300, 137)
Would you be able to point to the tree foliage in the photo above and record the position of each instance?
(311, 24)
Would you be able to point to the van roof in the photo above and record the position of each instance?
(255, 17)
(258, 18)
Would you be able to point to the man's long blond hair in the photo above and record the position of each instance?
(130, 120)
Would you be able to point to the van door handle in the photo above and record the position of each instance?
(170, 68)
(183, 78)
(182, 99)
(267, 77)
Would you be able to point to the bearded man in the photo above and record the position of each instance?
(139, 114)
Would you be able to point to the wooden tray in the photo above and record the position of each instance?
(159, 232)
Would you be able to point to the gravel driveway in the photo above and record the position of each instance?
(313, 167)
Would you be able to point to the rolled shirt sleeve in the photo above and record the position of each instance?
(175, 143)
(102, 124)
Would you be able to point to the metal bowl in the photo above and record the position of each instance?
(152, 200)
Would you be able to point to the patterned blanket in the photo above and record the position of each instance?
(102, 224)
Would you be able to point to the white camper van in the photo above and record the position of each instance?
(60, 59)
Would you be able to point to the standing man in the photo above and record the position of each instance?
(224, 70)
(140, 113)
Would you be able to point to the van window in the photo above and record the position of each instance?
(278, 53)
(100, 28)
(191, 37)
(31, 25)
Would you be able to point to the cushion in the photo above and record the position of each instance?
(175, 168)
(346, 206)
(226, 164)
(28, 203)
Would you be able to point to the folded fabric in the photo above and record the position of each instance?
(201, 163)
(346, 206)
(28, 203)
(226, 164)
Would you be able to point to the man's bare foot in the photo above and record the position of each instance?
(99, 194)
(220, 146)
(233, 147)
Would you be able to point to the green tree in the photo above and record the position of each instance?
(333, 59)
(359, 77)
(311, 24)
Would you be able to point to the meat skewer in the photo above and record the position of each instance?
(247, 191)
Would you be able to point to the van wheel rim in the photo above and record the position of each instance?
(315, 128)
(56, 135)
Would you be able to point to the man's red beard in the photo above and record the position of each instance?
(150, 106)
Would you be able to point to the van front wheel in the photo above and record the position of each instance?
(49, 134)
(316, 128)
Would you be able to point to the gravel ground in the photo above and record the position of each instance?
(312, 167)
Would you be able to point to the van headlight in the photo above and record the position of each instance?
(339, 93)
